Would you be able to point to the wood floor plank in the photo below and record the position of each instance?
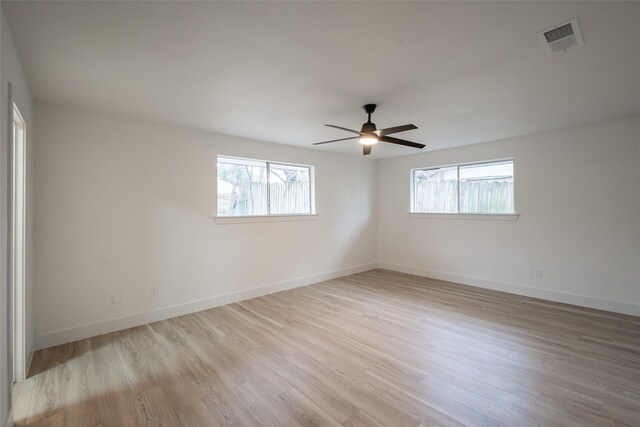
(360, 419)
(196, 415)
(310, 386)
(371, 349)
(222, 403)
(56, 420)
(153, 409)
(303, 410)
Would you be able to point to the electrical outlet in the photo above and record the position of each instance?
(155, 290)
(539, 273)
(116, 297)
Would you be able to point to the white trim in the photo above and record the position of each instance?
(17, 237)
(10, 421)
(471, 163)
(491, 217)
(231, 157)
(545, 294)
(93, 329)
(29, 361)
(264, 218)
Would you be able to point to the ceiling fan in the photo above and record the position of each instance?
(369, 135)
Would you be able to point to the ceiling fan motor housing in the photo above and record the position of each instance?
(368, 127)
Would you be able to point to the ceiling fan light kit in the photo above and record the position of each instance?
(370, 135)
(368, 139)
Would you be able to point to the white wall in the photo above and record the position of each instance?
(11, 71)
(124, 205)
(577, 191)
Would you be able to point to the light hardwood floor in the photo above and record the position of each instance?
(376, 348)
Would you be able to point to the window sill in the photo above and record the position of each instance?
(489, 217)
(264, 218)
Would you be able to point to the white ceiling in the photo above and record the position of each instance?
(462, 72)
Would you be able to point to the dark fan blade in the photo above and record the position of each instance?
(401, 142)
(366, 149)
(334, 140)
(395, 129)
(348, 130)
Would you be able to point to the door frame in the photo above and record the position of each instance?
(17, 239)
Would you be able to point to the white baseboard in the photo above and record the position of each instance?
(63, 336)
(546, 294)
(9, 422)
(28, 365)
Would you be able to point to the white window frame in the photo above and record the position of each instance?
(511, 216)
(269, 217)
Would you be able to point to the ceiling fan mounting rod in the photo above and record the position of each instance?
(369, 109)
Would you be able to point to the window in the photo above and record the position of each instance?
(481, 188)
(248, 187)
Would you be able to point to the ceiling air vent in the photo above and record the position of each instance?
(561, 37)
